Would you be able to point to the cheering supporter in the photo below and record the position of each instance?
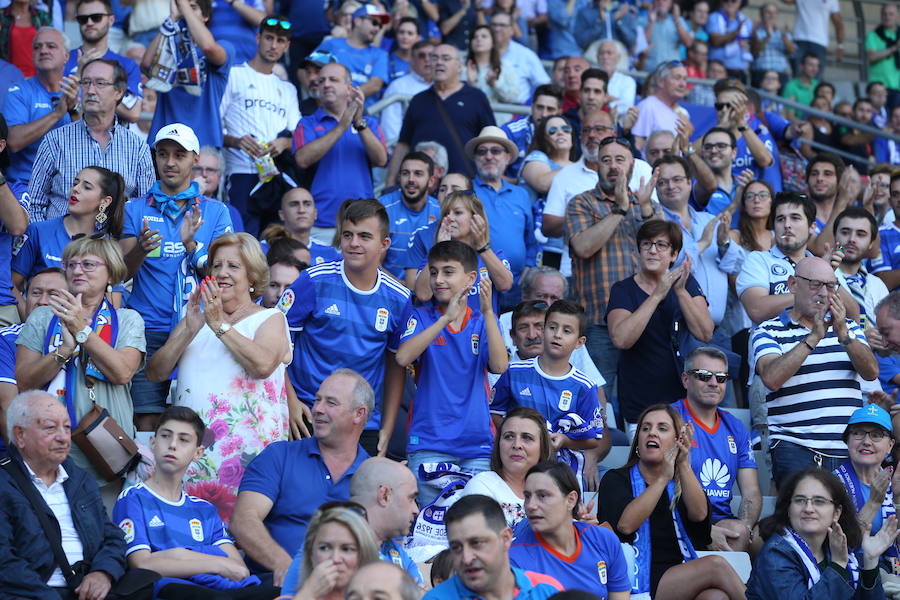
(811, 30)
(575, 553)
(696, 24)
(801, 88)
(804, 352)
(621, 88)
(283, 486)
(189, 68)
(95, 17)
(39, 430)
(656, 504)
(349, 313)
(546, 102)
(250, 347)
(338, 541)
(29, 107)
(166, 238)
(882, 46)
(603, 20)
(456, 20)
(877, 195)
(19, 22)
(97, 139)
(96, 207)
(405, 35)
(522, 441)
(716, 187)
(341, 144)
(815, 547)
(449, 420)
(730, 32)
(661, 33)
(770, 46)
(480, 540)
(409, 209)
(382, 581)
(9, 75)
(856, 142)
(723, 454)
(418, 79)
(462, 111)
(259, 115)
(644, 310)
(569, 401)
(485, 70)
(237, 24)
(754, 146)
(660, 109)
(366, 63)
(298, 213)
(562, 19)
(177, 535)
(887, 265)
(831, 188)
(80, 346)
(524, 64)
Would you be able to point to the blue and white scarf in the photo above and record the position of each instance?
(178, 61)
(640, 580)
(847, 474)
(813, 574)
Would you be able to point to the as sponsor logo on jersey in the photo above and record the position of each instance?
(601, 571)
(474, 343)
(381, 319)
(127, 527)
(333, 310)
(286, 301)
(196, 529)
(565, 400)
(410, 326)
(714, 471)
(732, 447)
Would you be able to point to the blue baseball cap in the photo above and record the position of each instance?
(871, 413)
(319, 58)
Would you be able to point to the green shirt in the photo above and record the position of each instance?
(884, 70)
(802, 94)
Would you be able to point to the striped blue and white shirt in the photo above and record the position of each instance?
(66, 150)
(813, 406)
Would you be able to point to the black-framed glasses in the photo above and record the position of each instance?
(705, 375)
(876, 435)
(722, 146)
(815, 285)
(564, 128)
(99, 235)
(353, 506)
(274, 22)
(817, 501)
(93, 18)
(660, 245)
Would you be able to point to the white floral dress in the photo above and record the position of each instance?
(242, 415)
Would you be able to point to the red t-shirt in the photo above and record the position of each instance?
(20, 39)
(694, 72)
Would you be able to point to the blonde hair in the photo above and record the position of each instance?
(366, 545)
(251, 255)
(106, 249)
(471, 203)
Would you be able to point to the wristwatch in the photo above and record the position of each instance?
(223, 329)
(83, 335)
(846, 342)
(59, 358)
(618, 210)
(361, 126)
(483, 249)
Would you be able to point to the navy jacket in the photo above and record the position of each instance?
(26, 560)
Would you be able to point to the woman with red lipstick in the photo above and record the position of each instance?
(656, 504)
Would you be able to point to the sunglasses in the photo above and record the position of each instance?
(99, 235)
(93, 18)
(564, 128)
(495, 150)
(273, 22)
(704, 375)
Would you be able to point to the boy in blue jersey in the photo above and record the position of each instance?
(448, 419)
(165, 258)
(349, 313)
(548, 383)
(721, 453)
(181, 537)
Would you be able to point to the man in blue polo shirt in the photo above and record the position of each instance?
(40, 103)
(341, 145)
(368, 64)
(95, 17)
(410, 207)
(508, 206)
(165, 238)
(288, 481)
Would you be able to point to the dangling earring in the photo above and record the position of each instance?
(102, 216)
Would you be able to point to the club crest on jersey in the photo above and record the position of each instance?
(381, 319)
(474, 343)
(601, 571)
(127, 527)
(483, 272)
(196, 529)
(286, 301)
(565, 400)
(732, 447)
(395, 558)
(410, 326)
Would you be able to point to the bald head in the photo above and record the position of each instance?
(813, 286)
(382, 581)
(814, 267)
(375, 472)
(388, 490)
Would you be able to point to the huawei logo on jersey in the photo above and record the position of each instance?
(713, 470)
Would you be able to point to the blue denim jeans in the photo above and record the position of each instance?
(428, 493)
(149, 397)
(606, 358)
(789, 458)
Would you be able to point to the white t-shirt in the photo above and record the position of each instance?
(813, 17)
(527, 68)
(623, 88)
(655, 115)
(488, 483)
(259, 105)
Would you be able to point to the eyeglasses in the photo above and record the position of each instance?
(758, 195)
(705, 375)
(564, 128)
(677, 180)
(273, 22)
(716, 146)
(495, 150)
(205, 170)
(815, 285)
(660, 245)
(876, 435)
(354, 506)
(88, 266)
(587, 130)
(98, 83)
(376, 23)
(93, 18)
(817, 501)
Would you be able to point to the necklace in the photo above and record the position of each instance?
(239, 313)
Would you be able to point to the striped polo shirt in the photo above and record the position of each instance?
(812, 408)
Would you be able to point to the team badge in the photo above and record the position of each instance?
(431, 219)
(565, 400)
(395, 558)
(732, 447)
(474, 343)
(483, 272)
(196, 529)
(127, 527)
(601, 571)
(381, 319)
(286, 301)
(410, 326)
(779, 270)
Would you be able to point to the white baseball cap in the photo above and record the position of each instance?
(180, 134)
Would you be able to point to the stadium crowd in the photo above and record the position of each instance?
(295, 304)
